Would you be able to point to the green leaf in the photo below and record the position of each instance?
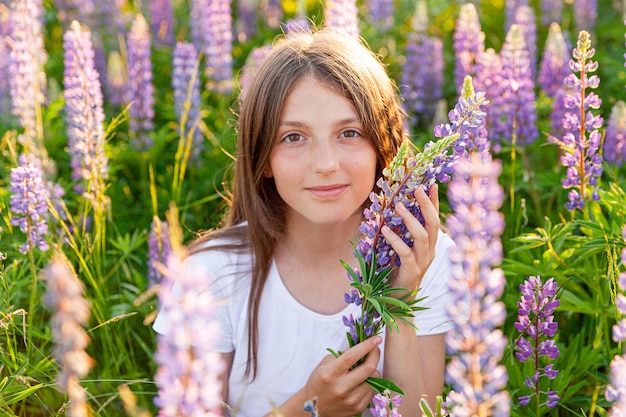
(382, 384)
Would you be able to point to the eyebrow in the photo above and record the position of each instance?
(296, 123)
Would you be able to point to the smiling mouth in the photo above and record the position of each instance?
(327, 191)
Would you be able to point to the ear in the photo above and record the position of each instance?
(267, 172)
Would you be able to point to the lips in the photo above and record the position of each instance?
(328, 191)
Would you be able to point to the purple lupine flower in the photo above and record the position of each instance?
(65, 296)
(212, 34)
(554, 62)
(343, 15)
(381, 14)
(476, 345)
(511, 7)
(513, 115)
(551, 11)
(159, 250)
(525, 19)
(468, 44)
(580, 156)
(247, 20)
(162, 19)
(140, 88)
(614, 150)
(29, 204)
(422, 73)
(298, 23)
(616, 390)
(585, 14)
(488, 75)
(186, 86)
(385, 405)
(188, 371)
(5, 88)
(255, 57)
(26, 59)
(272, 12)
(84, 114)
(536, 320)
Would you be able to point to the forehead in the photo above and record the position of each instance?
(310, 97)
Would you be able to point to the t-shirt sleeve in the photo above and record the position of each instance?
(218, 288)
(435, 287)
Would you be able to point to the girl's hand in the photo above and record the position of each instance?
(416, 260)
(342, 391)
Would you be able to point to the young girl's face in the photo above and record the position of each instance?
(323, 166)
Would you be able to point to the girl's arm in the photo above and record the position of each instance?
(415, 363)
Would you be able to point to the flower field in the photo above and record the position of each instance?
(118, 133)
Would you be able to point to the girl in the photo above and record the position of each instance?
(319, 122)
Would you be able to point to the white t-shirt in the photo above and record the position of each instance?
(292, 338)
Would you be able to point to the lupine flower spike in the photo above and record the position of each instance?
(616, 390)
(140, 88)
(65, 296)
(422, 74)
(188, 373)
(29, 204)
(614, 149)
(343, 15)
(397, 185)
(580, 152)
(159, 249)
(84, 115)
(476, 344)
(536, 320)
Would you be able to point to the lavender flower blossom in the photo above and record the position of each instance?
(384, 405)
(343, 15)
(254, 59)
(29, 205)
(511, 7)
(5, 88)
(381, 13)
(536, 319)
(159, 250)
(513, 115)
(616, 390)
(65, 296)
(525, 19)
(476, 345)
(554, 62)
(551, 11)
(84, 114)
(162, 19)
(400, 180)
(26, 59)
(188, 373)
(581, 157)
(614, 150)
(212, 34)
(422, 75)
(247, 20)
(272, 12)
(468, 44)
(585, 14)
(186, 86)
(140, 88)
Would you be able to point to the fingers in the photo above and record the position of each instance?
(358, 351)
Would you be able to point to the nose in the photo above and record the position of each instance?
(324, 157)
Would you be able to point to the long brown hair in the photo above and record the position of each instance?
(338, 60)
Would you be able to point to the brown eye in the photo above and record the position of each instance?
(350, 134)
(293, 138)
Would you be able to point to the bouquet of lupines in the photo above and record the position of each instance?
(381, 305)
